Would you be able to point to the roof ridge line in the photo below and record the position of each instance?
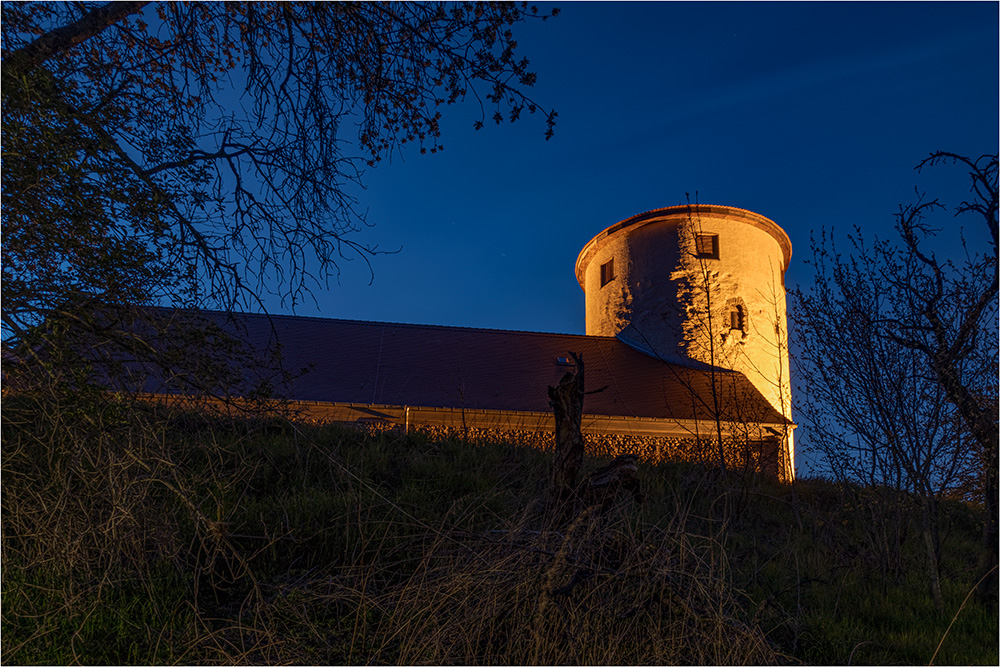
(379, 322)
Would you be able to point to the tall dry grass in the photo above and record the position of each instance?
(179, 537)
(136, 534)
(602, 591)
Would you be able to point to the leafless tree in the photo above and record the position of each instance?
(899, 355)
(207, 152)
(950, 321)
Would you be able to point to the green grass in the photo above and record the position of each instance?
(192, 541)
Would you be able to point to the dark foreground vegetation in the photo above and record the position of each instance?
(130, 537)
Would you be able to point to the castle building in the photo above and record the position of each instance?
(704, 283)
(686, 351)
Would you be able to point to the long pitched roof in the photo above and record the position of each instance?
(348, 361)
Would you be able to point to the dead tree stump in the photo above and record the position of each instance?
(602, 485)
(566, 400)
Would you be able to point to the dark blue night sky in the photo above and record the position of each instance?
(813, 114)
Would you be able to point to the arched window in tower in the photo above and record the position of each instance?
(736, 317)
(736, 322)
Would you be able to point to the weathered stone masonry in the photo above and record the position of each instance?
(700, 282)
(751, 448)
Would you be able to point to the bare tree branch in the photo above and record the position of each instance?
(62, 39)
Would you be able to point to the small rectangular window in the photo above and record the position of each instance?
(707, 246)
(607, 272)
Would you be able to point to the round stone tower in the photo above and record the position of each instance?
(696, 283)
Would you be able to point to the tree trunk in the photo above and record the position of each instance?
(981, 421)
(62, 39)
(622, 473)
(989, 590)
(567, 403)
(931, 544)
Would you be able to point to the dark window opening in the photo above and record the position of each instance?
(607, 272)
(707, 246)
(736, 318)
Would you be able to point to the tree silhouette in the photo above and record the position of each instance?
(899, 345)
(203, 153)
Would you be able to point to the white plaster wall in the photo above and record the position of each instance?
(644, 258)
(665, 298)
(750, 269)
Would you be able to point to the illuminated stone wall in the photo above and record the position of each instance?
(760, 456)
(656, 292)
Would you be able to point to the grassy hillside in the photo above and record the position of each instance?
(130, 540)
